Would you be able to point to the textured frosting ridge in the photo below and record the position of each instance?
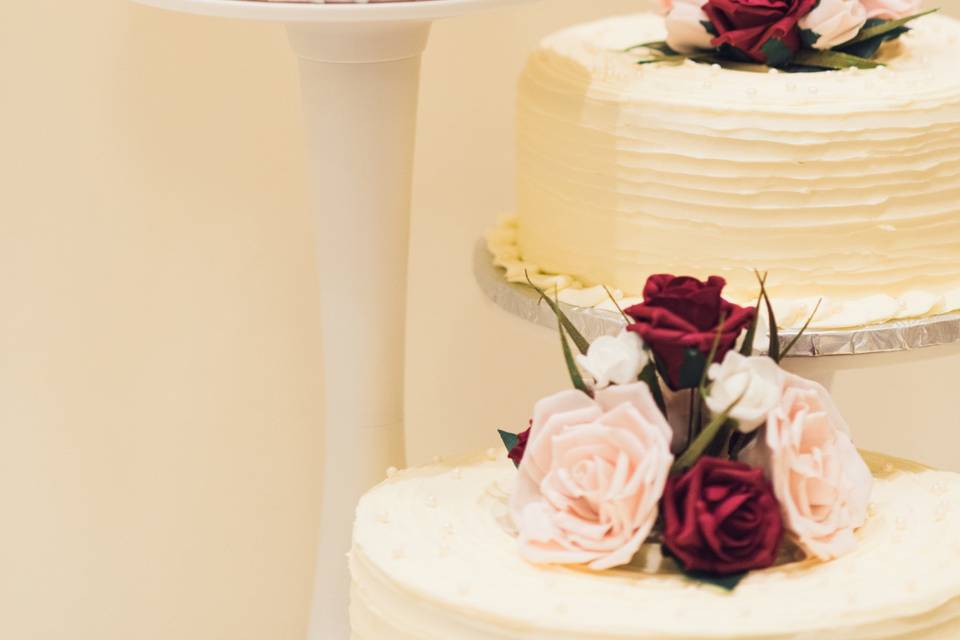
(433, 558)
(843, 185)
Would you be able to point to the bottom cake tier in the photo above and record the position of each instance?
(435, 557)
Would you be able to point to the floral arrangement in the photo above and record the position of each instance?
(794, 35)
(677, 434)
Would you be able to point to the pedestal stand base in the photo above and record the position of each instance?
(360, 66)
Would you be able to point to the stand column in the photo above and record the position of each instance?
(360, 86)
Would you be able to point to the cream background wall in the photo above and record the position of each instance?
(159, 386)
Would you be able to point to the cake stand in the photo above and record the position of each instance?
(360, 67)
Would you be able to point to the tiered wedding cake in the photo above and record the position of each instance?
(844, 185)
(686, 488)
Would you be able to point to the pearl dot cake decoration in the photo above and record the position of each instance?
(511, 599)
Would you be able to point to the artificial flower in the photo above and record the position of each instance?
(592, 476)
(720, 517)
(832, 23)
(686, 32)
(683, 314)
(764, 31)
(819, 478)
(757, 382)
(614, 359)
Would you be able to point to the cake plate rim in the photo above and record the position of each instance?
(899, 335)
(405, 10)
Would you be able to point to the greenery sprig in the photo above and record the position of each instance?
(858, 53)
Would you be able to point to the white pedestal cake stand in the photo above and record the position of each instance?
(360, 68)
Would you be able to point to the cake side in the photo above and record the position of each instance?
(434, 557)
(844, 185)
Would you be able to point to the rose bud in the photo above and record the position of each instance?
(686, 32)
(682, 314)
(614, 360)
(832, 23)
(758, 383)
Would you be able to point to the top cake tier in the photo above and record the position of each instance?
(843, 185)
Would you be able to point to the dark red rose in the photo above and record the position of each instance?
(764, 31)
(516, 454)
(679, 314)
(721, 517)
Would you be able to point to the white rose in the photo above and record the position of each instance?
(756, 380)
(686, 32)
(834, 22)
(614, 360)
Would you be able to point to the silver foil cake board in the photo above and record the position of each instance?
(902, 335)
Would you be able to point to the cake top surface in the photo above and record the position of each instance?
(438, 541)
(920, 68)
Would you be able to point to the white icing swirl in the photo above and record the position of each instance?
(433, 560)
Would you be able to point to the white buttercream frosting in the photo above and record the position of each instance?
(843, 185)
(434, 559)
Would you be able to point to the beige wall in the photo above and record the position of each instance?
(159, 388)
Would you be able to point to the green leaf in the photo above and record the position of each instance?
(705, 439)
(739, 442)
(649, 375)
(709, 28)
(721, 444)
(692, 368)
(777, 52)
(868, 48)
(730, 52)
(714, 347)
(806, 325)
(510, 440)
(572, 369)
(809, 37)
(833, 60)
(616, 304)
(657, 45)
(727, 583)
(887, 26)
(773, 350)
(746, 348)
(724, 55)
(582, 344)
(677, 59)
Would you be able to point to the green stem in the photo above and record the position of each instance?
(796, 338)
(705, 439)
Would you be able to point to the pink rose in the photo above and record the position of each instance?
(819, 478)
(591, 477)
(891, 9)
(832, 23)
